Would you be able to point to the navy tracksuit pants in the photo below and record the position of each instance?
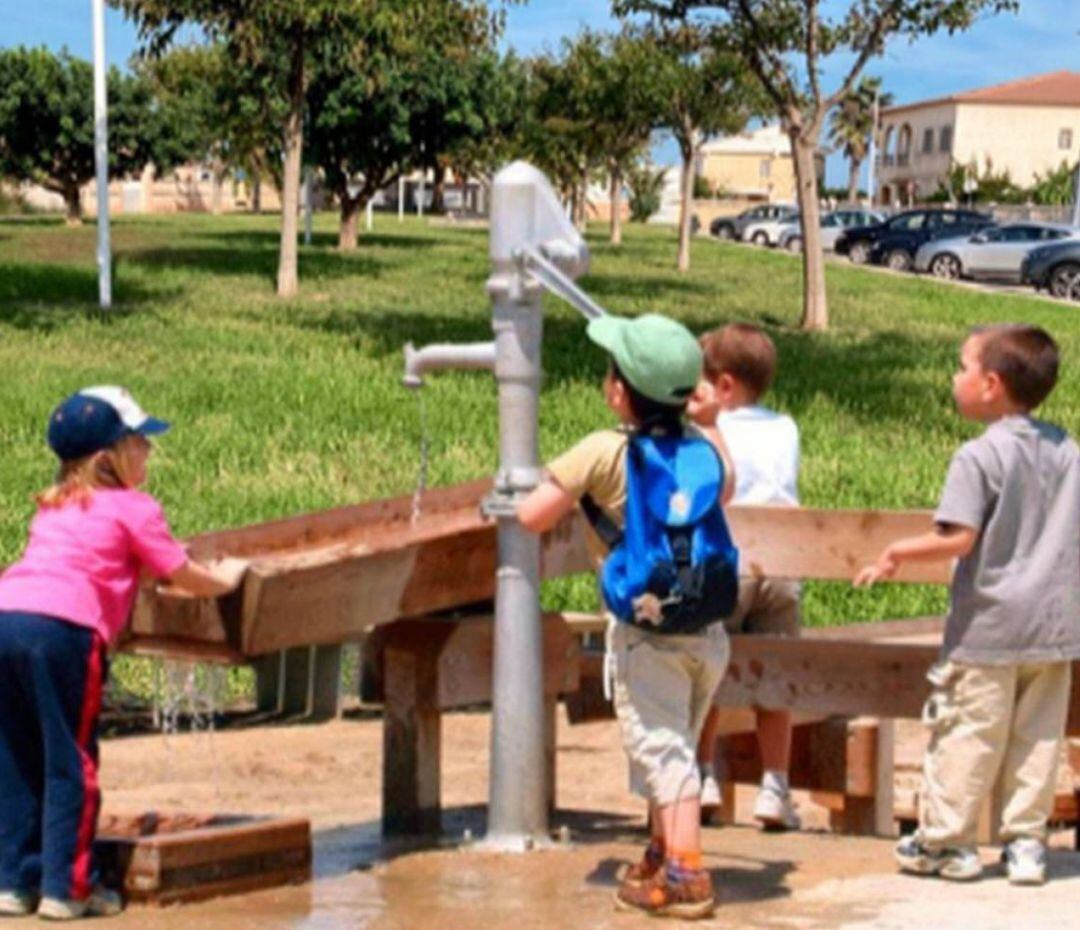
(51, 678)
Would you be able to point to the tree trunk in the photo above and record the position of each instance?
(287, 282)
(688, 149)
(815, 309)
(217, 177)
(583, 200)
(73, 204)
(438, 190)
(615, 199)
(350, 221)
(256, 194)
(853, 180)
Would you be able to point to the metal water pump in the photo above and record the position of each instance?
(533, 247)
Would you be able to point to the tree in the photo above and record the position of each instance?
(276, 41)
(407, 103)
(851, 125)
(703, 90)
(625, 109)
(784, 42)
(560, 131)
(1056, 186)
(646, 189)
(208, 111)
(47, 122)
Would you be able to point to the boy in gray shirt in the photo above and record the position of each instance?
(1010, 514)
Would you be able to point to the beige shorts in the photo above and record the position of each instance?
(767, 607)
(663, 686)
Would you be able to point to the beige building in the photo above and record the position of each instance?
(1027, 127)
(754, 165)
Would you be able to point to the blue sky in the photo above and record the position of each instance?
(1043, 36)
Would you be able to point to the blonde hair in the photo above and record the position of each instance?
(77, 479)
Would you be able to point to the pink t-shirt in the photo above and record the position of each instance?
(82, 561)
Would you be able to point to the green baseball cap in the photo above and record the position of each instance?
(659, 357)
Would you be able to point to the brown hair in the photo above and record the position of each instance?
(1024, 357)
(77, 479)
(742, 350)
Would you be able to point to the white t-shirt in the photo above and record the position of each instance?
(765, 447)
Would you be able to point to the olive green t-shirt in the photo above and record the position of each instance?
(596, 466)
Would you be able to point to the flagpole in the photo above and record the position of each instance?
(101, 158)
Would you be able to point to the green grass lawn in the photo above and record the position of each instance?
(280, 407)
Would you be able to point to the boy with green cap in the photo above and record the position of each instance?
(663, 683)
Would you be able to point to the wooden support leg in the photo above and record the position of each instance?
(868, 797)
(311, 686)
(412, 730)
(726, 814)
(551, 706)
(269, 681)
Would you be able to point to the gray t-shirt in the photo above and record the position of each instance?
(1016, 596)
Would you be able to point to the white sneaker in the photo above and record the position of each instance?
(710, 798)
(710, 789)
(17, 903)
(957, 863)
(1025, 861)
(775, 810)
(101, 902)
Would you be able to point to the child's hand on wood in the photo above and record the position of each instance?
(885, 567)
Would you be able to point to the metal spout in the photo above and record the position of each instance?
(445, 355)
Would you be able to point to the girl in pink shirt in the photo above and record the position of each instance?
(61, 606)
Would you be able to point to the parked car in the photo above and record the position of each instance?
(995, 252)
(896, 241)
(832, 226)
(1056, 267)
(731, 227)
(767, 232)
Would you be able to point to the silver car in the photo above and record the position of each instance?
(734, 227)
(832, 224)
(996, 252)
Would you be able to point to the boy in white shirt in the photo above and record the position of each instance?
(740, 363)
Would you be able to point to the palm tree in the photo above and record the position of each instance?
(852, 122)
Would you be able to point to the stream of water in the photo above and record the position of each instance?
(422, 470)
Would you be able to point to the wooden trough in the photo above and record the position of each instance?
(333, 577)
(168, 859)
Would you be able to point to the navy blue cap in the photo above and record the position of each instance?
(97, 418)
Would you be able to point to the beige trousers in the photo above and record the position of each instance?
(986, 722)
(663, 687)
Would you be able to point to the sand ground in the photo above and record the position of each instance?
(330, 773)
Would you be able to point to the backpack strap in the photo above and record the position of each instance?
(604, 527)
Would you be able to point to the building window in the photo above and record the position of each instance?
(928, 141)
(945, 139)
(765, 168)
(1065, 138)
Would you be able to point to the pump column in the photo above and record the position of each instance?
(518, 811)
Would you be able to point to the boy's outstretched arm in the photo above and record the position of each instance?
(945, 541)
(545, 506)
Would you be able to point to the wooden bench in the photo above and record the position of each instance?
(328, 578)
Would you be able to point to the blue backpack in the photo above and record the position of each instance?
(673, 568)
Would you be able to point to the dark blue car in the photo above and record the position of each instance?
(895, 242)
(1055, 267)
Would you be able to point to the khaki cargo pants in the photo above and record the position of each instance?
(663, 686)
(987, 720)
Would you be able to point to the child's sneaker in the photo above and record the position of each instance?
(17, 903)
(959, 864)
(710, 796)
(1025, 861)
(690, 896)
(774, 809)
(101, 902)
(645, 868)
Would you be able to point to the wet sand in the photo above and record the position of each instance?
(330, 773)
